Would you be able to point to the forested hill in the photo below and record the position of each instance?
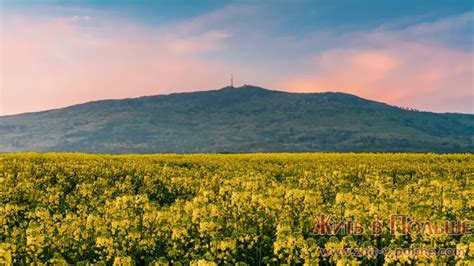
(244, 119)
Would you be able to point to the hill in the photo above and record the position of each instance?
(244, 119)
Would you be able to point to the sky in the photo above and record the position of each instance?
(416, 54)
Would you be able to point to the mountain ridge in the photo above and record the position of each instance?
(230, 88)
(243, 119)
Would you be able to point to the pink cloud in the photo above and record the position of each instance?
(412, 74)
(54, 62)
(50, 63)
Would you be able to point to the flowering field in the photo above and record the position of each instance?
(248, 209)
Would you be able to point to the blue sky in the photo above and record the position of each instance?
(410, 53)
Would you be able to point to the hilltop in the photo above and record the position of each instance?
(243, 119)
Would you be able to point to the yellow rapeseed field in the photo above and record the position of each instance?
(253, 209)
